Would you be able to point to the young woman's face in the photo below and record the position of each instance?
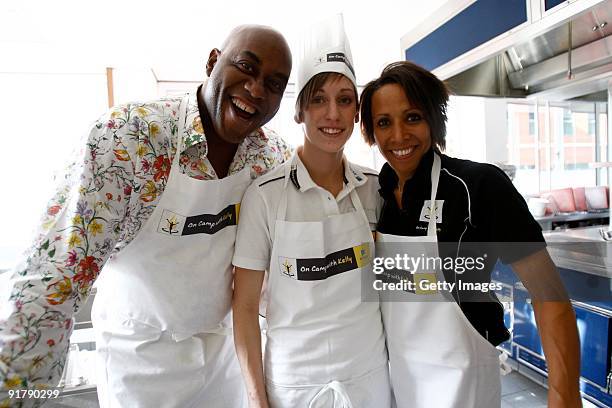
(330, 116)
(400, 130)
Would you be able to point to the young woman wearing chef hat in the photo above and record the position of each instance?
(308, 224)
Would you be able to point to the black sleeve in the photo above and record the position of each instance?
(505, 215)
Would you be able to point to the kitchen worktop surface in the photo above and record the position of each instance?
(582, 250)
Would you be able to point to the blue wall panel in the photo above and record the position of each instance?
(548, 4)
(477, 24)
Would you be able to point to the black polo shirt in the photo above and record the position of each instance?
(482, 212)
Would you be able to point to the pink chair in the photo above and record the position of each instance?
(596, 198)
(551, 208)
(564, 198)
(580, 199)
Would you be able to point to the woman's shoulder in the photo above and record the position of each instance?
(261, 198)
(367, 185)
(267, 187)
(363, 173)
(472, 171)
(481, 180)
(274, 175)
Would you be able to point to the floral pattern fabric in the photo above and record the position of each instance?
(111, 188)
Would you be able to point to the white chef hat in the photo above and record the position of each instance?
(324, 47)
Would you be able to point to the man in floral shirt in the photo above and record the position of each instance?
(165, 177)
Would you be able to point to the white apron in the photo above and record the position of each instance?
(325, 346)
(161, 313)
(436, 357)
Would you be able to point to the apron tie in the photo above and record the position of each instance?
(339, 393)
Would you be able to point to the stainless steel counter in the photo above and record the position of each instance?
(547, 221)
(582, 250)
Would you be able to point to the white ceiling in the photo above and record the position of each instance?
(174, 38)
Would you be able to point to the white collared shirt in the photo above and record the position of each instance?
(306, 201)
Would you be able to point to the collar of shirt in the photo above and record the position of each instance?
(419, 183)
(297, 174)
(194, 131)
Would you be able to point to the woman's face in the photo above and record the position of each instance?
(400, 130)
(330, 116)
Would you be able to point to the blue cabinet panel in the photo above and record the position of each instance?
(503, 274)
(525, 329)
(584, 287)
(594, 330)
(535, 361)
(601, 398)
(594, 326)
(477, 24)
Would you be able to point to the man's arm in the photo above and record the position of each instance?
(247, 333)
(557, 326)
(82, 224)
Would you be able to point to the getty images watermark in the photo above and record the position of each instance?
(422, 262)
(483, 271)
(422, 275)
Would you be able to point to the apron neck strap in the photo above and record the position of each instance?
(180, 128)
(435, 177)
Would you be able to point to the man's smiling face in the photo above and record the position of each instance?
(246, 82)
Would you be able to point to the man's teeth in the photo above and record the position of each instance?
(242, 106)
(331, 131)
(403, 152)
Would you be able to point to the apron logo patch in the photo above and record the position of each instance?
(311, 269)
(425, 283)
(177, 225)
(288, 267)
(171, 223)
(426, 211)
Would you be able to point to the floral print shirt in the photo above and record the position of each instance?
(110, 190)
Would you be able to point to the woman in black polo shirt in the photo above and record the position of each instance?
(442, 353)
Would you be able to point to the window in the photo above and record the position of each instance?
(592, 124)
(522, 145)
(568, 125)
(572, 154)
(602, 144)
(563, 150)
(38, 148)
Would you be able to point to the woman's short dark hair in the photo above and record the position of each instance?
(423, 89)
(312, 86)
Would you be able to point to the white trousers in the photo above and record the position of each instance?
(139, 366)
